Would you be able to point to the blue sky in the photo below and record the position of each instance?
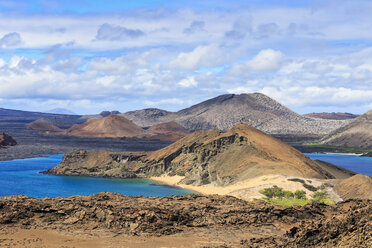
(86, 56)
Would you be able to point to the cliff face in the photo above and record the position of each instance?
(203, 157)
(6, 140)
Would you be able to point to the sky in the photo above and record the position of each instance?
(94, 55)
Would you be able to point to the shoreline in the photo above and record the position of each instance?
(246, 190)
(344, 153)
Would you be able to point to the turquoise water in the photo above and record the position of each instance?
(23, 177)
(358, 164)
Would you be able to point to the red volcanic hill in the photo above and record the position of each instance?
(43, 125)
(112, 126)
(6, 140)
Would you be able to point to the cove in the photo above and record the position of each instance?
(354, 163)
(23, 177)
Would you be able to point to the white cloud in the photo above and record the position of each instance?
(188, 82)
(149, 55)
(114, 32)
(266, 60)
(70, 64)
(201, 56)
(10, 40)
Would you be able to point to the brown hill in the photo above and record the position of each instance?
(42, 125)
(332, 116)
(358, 133)
(226, 111)
(171, 131)
(6, 140)
(355, 187)
(112, 126)
(203, 157)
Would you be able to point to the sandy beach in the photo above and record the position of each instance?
(344, 153)
(247, 189)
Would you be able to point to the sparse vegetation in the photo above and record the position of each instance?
(181, 173)
(325, 185)
(205, 181)
(306, 186)
(278, 196)
(296, 180)
(300, 194)
(309, 187)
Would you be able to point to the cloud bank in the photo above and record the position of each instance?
(311, 57)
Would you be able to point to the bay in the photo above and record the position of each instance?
(23, 177)
(362, 165)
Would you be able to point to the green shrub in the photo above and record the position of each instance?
(278, 192)
(267, 192)
(288, 194)
(309, 187)
(274, 191)
(325, 185)
(300, 194)
(205, 181)
(296, 180)
(320, 195)
(181, 173)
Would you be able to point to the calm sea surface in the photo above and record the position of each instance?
(22, 176)
(358, 164)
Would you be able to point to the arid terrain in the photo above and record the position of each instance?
(355, 134)
(114, 220)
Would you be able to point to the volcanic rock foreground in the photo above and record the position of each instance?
(203, 157)
(219, 221)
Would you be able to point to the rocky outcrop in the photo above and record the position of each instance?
(358, 133)
(347, 224)
(332, 116)
(100, 164)
(107, 113)
(225, 111)
(202, 157)
(6, 140)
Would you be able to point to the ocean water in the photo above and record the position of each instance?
(355, 163)
(23, 177)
